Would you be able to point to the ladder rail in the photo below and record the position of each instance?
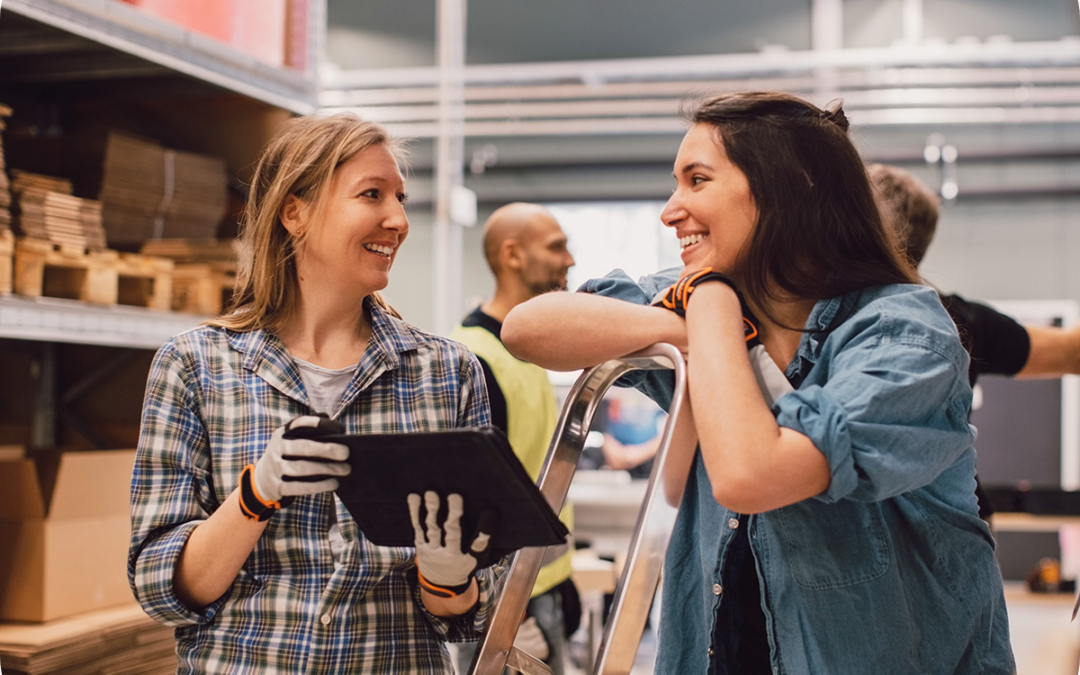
(649, 541)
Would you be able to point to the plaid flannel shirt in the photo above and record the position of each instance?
(213, 399)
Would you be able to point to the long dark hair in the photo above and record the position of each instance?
(819, 232)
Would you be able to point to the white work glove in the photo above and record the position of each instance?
(445, 569)
(294, 463)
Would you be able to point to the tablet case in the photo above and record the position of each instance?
(476, 463)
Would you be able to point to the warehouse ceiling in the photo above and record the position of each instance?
(566, 67)
(382, 35)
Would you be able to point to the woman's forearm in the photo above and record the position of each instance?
(568, 331)
(214, 554)
(753, 464)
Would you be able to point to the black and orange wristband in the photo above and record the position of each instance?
(698, 278)
(677, 298)
(750, 331)
(252, 505)
(443, 591)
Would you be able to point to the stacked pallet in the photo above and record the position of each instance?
(7, 239)
(48, 211)
(205, 272)
(122, 641)
(46, 269)
(5, 187)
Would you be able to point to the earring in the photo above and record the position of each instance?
(299, 232)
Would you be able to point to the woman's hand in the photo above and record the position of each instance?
(446, 570)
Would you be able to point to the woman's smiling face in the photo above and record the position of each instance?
(356, 237)
(711, 210)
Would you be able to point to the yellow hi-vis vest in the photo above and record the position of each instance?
(531, 417)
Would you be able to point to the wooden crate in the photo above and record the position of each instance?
(202, 288)
(106, 277)
(7, 253)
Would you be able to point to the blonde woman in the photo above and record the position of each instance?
(237, 538)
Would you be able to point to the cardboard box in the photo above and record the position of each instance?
(64, 533)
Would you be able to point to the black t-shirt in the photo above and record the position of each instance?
(495, 395)
(998, 345)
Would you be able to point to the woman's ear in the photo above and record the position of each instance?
(294, 215)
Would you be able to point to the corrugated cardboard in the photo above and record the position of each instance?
(65, 528)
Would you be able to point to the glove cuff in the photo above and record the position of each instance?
(443, 591)
(701, 277)
(252, 505)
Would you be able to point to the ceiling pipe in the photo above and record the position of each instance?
(767, 63)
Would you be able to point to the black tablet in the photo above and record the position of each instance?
(476, 463)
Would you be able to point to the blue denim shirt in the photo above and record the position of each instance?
(890, 570)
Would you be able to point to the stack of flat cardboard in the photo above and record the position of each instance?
(25, 180)
(48, 211)
(5, 186)
(148, 191)
(120, 641)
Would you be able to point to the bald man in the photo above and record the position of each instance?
(526, 250)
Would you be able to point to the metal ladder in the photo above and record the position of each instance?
(645, 558)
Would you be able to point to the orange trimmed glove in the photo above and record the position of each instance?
(677, 299)
(445, 568)
(294, 463)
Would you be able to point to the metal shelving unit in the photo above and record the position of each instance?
(104, 48)
(96, 41)
(60, 58)
(75, 322)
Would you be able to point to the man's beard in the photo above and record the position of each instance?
(547, 287)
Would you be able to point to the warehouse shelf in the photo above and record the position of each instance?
(93, 42)
(75, 322)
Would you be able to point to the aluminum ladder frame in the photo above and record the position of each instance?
(648, 545)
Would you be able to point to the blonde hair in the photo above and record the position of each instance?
(908, 207)
(299, 160)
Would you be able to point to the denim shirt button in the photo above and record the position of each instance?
(717, 589)
(710, 651)
(733, 523)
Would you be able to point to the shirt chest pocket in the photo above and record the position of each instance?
(833, 545)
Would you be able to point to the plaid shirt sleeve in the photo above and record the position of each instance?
(170, 493)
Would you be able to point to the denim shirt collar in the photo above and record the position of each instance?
(826, 315)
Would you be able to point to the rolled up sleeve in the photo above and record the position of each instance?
(891, 418)
(658, 385)
(169, 492)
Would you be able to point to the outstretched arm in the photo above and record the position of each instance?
(1054, 352)
(568, 331)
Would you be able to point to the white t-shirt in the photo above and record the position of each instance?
(324, 388)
